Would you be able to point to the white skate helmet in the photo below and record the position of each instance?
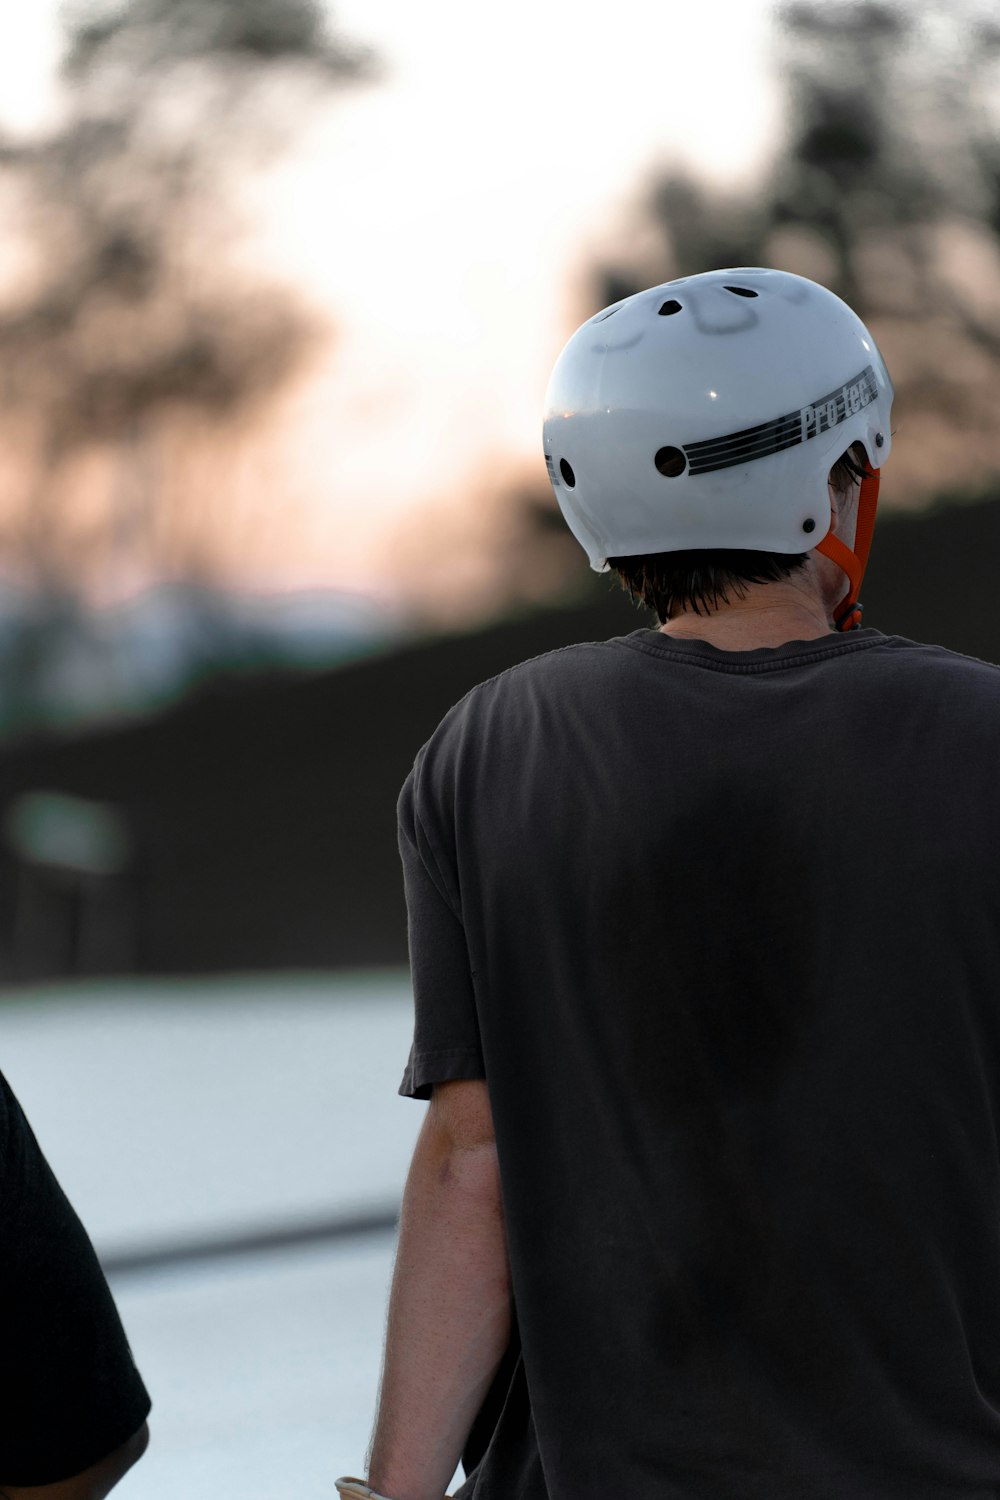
(707, 412)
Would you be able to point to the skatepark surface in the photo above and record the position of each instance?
(236, 1149)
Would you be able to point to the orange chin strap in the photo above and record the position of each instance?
(847, 615)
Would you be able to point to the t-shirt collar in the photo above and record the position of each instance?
(834, 644)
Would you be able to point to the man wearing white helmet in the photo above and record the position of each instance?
(704, 929)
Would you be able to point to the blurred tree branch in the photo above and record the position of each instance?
(885, 187)
(133, 311)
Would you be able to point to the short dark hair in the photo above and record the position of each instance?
(703, 578)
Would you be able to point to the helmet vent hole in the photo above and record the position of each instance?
(670, 462)
(673, 306)
(741, 291)
(809, 525)
(567, 473)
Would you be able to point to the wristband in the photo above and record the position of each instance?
(356, 1489)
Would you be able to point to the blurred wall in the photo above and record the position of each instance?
(253, 825)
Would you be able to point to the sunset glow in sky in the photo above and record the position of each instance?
(452, 215)
(447, 216)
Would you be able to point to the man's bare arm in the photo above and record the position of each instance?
(449, 1309)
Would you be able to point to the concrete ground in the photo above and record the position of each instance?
(221, 1139)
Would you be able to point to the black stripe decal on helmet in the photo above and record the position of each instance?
(784, 432)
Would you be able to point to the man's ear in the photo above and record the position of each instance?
(844, 511)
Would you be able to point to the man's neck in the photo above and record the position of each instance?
(759, 619)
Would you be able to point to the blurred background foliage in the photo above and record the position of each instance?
(251, 823)
(886, 188)
(138, 340)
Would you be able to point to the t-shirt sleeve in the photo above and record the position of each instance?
(446, 1042)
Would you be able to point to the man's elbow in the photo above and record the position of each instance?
(456, 1155)
(472, 1172)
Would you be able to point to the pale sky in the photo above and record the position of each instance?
(468, 197)
(448, 215)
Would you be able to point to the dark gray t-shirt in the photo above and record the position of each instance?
(721, 930)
